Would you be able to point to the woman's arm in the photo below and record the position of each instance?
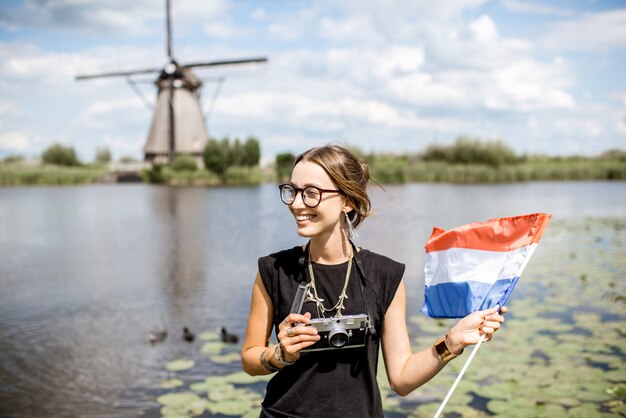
(407, 371)
(259, 329)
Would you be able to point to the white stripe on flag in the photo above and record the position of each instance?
(465, 265)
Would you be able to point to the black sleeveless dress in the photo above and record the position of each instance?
(332, 383)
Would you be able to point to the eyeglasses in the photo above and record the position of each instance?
(311, 195)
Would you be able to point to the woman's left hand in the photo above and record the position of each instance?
(469, 329)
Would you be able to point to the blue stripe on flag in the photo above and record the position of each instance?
(459, 299)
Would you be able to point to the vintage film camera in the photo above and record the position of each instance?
(340, 332)
(335, 333)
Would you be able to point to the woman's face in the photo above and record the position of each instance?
(326, 218)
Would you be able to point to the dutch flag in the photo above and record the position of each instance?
(476, 266)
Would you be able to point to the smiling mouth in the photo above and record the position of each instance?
(304, 218)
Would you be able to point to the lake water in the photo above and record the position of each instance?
(86, 272)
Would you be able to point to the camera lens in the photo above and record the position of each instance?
(338, 337)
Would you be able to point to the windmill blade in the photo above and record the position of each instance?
(227, 62)
(118, 74)
(169, 29)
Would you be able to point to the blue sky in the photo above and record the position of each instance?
(386, 75)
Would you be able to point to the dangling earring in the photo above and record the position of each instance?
(350, 227)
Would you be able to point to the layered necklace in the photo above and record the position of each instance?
(319, 303)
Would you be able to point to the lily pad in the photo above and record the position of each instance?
(212, 348)
(208, 336)
(179, 365)
(230, 407)
(179, 399)
(226, 358)
(170, 384)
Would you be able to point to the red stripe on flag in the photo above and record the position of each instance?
(500, 234)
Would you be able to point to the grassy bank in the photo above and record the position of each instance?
(234, 176)
(18, 174)
(402, 170)
(384, 170)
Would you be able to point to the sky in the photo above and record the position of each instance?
(384, 75)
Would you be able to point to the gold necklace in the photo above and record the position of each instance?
(339, 306)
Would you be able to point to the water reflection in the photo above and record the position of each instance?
(86, 272)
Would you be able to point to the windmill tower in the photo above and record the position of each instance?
(177, 126)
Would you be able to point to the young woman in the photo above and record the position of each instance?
(327, 196)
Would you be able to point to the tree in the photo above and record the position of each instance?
(472, 151)
(284, 164)
(217, 156)
(236, 153)
(103, 155)
(251, 152)
(184, 163)
(10, 159)
(59, 155)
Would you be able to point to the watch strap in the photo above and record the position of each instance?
(278, 355)
(443, 351)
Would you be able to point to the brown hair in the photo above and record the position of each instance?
(348, 173)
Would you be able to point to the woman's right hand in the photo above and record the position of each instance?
(294, 335)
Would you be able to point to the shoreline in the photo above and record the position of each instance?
(389, 174)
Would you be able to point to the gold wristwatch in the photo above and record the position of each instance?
(443, 351)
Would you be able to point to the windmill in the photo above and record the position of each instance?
(177, 126)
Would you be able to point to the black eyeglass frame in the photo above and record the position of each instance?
(301, 190)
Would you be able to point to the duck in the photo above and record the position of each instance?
(188, 335)
(226, 337)
(157, 336)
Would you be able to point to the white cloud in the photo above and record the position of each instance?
(226, 30)
(593, 32)
(589, 127)
(349, 29)
(535, 7)
(7, 108)
(14, 141)
(520, 85)
(385, 74)
(423, 89)
(103, 107)
(529, 85)
(484, 29)
(116, 17)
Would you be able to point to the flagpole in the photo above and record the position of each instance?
(458, 378)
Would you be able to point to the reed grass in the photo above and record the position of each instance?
(234, 176)
(18, 175)
(404, 171)
(389, 169)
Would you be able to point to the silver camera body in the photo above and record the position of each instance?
(341, 332)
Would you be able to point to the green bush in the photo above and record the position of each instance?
(190, 178)
(472, 151)
(243, 176)
(217, 156)
(154, 174)
(250, 153)
(284, 165)
(12, 159)
(103, 156)
(58, 154)
(184, 163)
